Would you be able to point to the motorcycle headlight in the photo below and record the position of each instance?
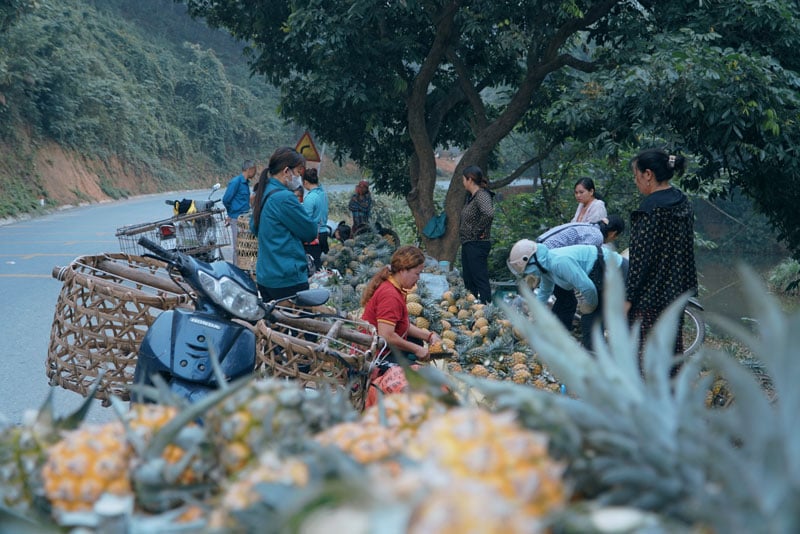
(232, 297)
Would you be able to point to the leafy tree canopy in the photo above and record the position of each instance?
(389, 82)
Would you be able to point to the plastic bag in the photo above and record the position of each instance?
(435, 227)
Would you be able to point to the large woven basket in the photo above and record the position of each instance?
(105, 307)
(246, 245)
(318, 351)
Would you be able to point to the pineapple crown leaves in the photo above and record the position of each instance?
(767, 455)
(616, 409)
(169, 432)
(650, 442)
(47, 420)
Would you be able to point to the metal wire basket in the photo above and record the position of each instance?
(192, 233)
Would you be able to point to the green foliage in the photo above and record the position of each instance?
(726, 78)
(784, 277)
(12, 10)
(388, 83)
(111, 190)
(130, 80)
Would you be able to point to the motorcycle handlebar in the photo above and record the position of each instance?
(157, 249)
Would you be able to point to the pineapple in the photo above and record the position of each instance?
(85, 464)
(23, 452)
(270, 412)
(242, 492)
(474, 445)
(363, 441)
(414, 308)
(402, 413)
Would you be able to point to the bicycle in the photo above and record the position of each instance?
(694, 326)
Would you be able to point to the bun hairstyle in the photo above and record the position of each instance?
(663, 165)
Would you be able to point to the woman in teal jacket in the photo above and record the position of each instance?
(282, 226)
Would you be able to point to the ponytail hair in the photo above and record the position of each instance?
(280, 159)
(405, 257)
(474, 174)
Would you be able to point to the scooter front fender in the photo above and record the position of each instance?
(180, 343)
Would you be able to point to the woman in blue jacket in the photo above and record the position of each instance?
(282, 226)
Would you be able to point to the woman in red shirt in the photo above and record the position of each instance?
(384, 302)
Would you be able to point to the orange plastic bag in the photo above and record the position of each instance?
(392, 380)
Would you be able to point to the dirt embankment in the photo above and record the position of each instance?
(69, 178)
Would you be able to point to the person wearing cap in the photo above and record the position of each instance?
(237, 200)
(578, 268)
(360, 207)
(603, 232)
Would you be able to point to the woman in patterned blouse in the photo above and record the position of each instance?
(474, 233)
(661, 241)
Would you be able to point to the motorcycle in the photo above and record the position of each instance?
(197, 227)
(185, 346)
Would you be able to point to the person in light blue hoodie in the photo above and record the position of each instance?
(315, 202)
(577, 267)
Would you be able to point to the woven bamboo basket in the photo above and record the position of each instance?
(318, 351)
(246, 245)
(105, 307)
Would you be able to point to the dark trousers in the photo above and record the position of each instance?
(596, 275)
(565, 305)
(475, 269)
(316, 251)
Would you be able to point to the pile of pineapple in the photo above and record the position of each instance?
(482, 447)
(480, 338)
(266, 455)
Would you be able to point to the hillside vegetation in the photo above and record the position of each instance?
(103, 99)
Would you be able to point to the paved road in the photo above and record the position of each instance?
(29, 250)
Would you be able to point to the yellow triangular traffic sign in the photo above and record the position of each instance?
(305, 146)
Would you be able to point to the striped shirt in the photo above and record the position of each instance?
(570, 234)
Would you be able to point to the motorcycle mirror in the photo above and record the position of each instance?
(312, 297)
(215, 187)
